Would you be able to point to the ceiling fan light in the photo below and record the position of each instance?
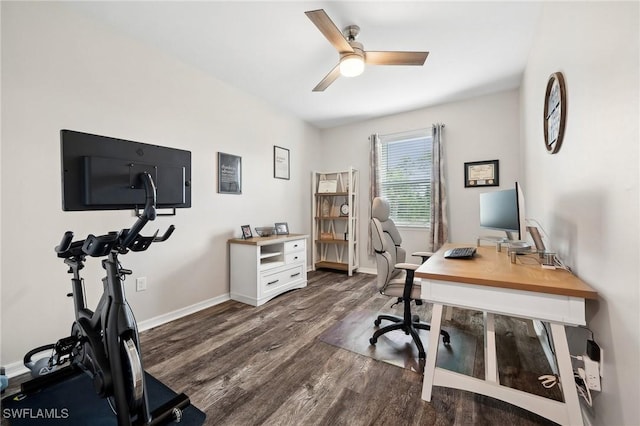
(351, 65)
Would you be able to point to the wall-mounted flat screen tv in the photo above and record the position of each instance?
(103, 173)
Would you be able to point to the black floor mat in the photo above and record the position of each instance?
(74, 402)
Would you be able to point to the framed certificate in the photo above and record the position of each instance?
(481, 173)
(327, 186)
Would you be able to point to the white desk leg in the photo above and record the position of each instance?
(563, 358)
(432, 351)
(490, 357)
(448, 313)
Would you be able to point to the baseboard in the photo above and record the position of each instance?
(17, 368)
(182, 312)
(371, 271)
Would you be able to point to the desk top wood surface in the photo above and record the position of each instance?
(271, 239)
(491, 268)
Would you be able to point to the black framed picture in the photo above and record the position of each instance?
(229, 174)
(282, 228)
(246, 232)
(481, 173)
(281, 164)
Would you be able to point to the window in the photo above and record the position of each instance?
(404, 176)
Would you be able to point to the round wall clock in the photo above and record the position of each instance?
(555, 112)
(344, 209)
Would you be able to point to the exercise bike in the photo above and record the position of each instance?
(104, 342)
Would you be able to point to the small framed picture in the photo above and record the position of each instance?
(246, 232)
(481, 173)
(229, 174)
(281, 165)
(282, 228)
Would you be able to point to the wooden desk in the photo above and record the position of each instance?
(491, 283)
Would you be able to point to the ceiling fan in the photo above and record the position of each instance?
(352, 54)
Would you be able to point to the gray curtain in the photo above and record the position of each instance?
(438, 222)
(374, 186)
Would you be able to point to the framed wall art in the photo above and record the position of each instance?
(229, 174)
(281, 163)
(481, 173)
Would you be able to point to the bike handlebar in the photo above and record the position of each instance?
(127, 239)
(149, 212)
(65, 243)
(165, 236)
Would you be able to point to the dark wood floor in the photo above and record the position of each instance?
(245, 365)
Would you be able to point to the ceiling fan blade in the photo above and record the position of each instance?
(329, 30)
(328, 79)
(395, 58)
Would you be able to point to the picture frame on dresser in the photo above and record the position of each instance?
(246, 232)
(282, 228)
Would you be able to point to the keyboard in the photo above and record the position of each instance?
(460, 253)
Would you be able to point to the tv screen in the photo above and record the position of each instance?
(103, 173)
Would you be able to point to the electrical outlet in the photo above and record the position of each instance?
(592, 373)
(141, 284)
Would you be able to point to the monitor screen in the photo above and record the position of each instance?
(103, 173)
(503, 211)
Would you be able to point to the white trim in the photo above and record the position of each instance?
(17, 368)
(182, 312)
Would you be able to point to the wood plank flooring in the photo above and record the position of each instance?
(245, 365)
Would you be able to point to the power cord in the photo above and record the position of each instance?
(581, 385)
(549, 380)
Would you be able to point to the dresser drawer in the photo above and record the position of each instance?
(294, 257)
(272, 281)
(296, 245)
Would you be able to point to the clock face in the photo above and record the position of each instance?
(555, 111)
(344, 209)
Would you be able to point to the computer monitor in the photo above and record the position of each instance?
(504, 211)
(103, 173)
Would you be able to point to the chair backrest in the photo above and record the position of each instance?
(386, 241)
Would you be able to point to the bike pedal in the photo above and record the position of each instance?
(65, 345)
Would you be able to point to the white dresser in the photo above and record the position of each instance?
(263, 267)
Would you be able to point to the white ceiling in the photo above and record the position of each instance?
(272, 50)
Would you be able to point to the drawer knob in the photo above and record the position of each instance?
(272, 282)
(295, 275)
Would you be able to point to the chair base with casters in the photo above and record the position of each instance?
(408, 323)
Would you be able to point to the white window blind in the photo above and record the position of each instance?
(404, 176)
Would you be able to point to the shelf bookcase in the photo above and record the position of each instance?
(335, 220)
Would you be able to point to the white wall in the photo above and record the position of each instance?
(483, 128)
(586, 195)
(60, 70)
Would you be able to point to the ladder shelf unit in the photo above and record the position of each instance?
(335, 220)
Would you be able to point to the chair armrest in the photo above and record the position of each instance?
(407, 266)
(422, 254)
